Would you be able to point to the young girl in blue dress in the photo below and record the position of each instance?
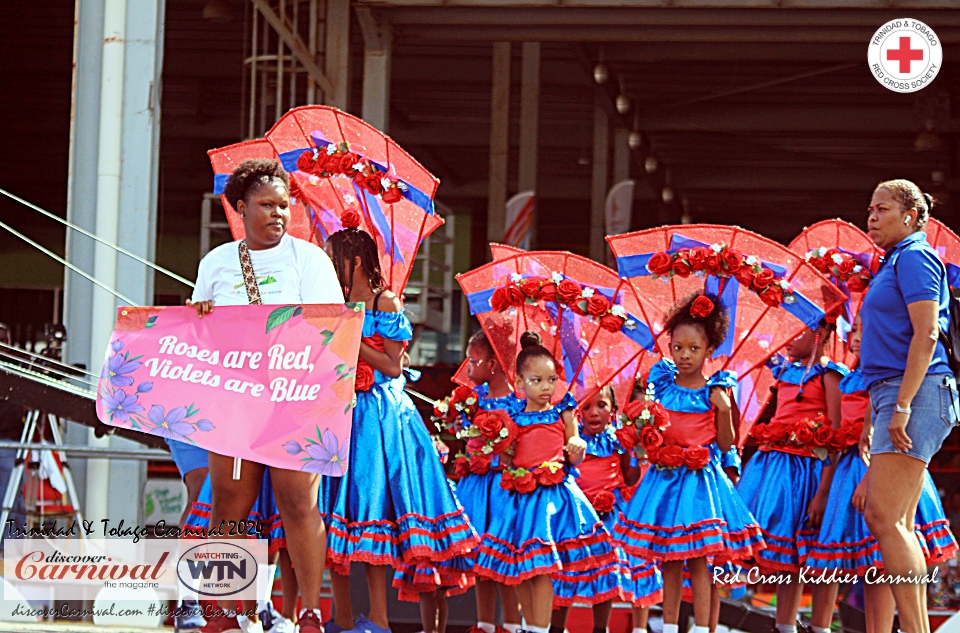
(480, 494)
(686, 510)
(844, 542)
(547, 524)
(606, 469)
(785, 484)
(393, 505)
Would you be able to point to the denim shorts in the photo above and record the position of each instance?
(934, 413)
(187, 457)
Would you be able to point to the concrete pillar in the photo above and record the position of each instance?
(377, 61)
(598, 190)
(499, 142)
(337, 57)
(113, 192)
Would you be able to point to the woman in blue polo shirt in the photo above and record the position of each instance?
(913, 394)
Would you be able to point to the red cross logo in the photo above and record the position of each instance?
(905, 54)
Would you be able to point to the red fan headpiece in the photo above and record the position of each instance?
(225, 159)
(591, 320)
(770, 293)
(849, 258)
(344, 165)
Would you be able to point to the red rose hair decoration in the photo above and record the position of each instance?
(702, 307)
(350, 220)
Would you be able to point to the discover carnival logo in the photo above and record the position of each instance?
(905, 55)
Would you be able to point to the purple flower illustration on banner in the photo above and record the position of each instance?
(326, 457)
(170, 425)
(173, 425)
(118, 368)
(120, 406)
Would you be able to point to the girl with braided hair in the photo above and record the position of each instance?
(393, 506)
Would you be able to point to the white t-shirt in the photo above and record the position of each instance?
(294, 271)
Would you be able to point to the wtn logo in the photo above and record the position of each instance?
(224, 569)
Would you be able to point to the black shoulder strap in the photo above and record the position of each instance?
(376, 301)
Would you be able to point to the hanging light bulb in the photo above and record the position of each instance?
(623, 104)
(650, 164)
(685, 217)
(634, 139)
(600, 73)
(667, 194)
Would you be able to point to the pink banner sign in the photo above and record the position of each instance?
(270, 384)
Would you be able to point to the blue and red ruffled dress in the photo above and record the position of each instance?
(844, 541)
(679, 513)
(545, 525)
(480, 495)
(393, 505)
(264, 512)
(630, 579)
(779, 483)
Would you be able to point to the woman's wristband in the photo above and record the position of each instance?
(900, 409)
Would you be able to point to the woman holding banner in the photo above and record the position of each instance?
(299, 272)
(913, 393)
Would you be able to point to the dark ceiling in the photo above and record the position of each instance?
(766, 117)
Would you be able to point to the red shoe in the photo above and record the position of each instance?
(309, 622)
(220, 622)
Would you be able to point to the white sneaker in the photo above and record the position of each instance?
(282, 625)
(249, 627)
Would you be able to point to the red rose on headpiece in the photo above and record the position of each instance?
(306, 163)
(650, 437)
(763, 279)
(531, 286)
(603, 501)
(392, 195)
(696, 457)
(550, 477)
(835, 313)
(350, 220)
(702, 307)
(516, 296)
(846, 266)
(698, 258)
(568, 291)
(681, 267)
(597, 305)
(525, 483)
(730, 260)
(373, 184)
(612, 322)
(628, 437)
(745, 275)
(548, 292)
(772, 295)
(857, 283)
(660, 263)
(346, 161)
(713, 265)
(364, 377)
(670, 456)
(500, 300)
